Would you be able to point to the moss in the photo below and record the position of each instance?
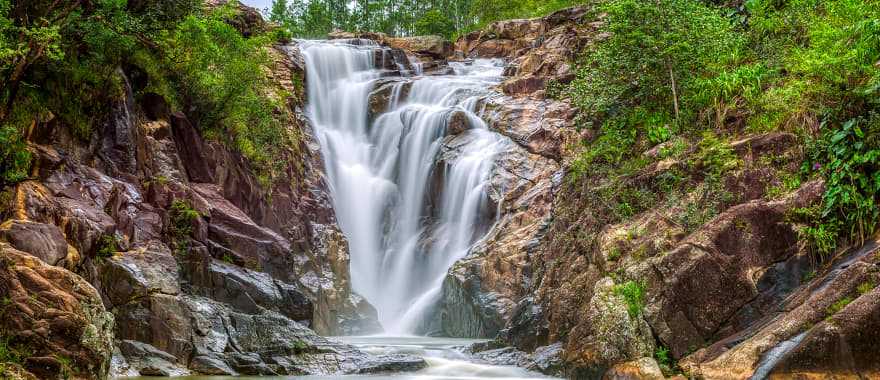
(107, 246)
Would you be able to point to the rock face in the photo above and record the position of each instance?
(431, 47)
(52, 318)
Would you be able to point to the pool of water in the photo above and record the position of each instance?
(445, 357)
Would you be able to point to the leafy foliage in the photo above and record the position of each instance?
(183, 217)
(63, 60)
(634, 294)
(448, 18)
(692, 71)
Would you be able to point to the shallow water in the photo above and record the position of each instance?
(445, 358)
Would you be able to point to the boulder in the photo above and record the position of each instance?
(45, 241)
(55, 316)
(641, 369)
(147, 360)
(613, 335)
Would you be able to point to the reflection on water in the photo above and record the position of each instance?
(446, 361)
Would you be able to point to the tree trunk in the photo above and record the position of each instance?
(674, 91)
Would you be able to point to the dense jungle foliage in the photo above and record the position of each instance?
(61, 62)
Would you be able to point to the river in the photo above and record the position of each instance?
(445, 357)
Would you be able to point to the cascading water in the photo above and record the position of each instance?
(402, 240)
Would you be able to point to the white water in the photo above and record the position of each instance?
(380, 173)
(445, 361)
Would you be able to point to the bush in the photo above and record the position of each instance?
(15, 159)
(183, 218)
(634, 294)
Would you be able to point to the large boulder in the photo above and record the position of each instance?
(53, 318)
(45, 241)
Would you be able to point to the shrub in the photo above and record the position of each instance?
(107, 246)
(15, 159)
(183, 217)
(634, 295)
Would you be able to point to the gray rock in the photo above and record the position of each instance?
(148, 360)
(208, 365)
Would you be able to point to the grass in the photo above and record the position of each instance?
(837, 307)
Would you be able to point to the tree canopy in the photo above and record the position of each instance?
(448, 18)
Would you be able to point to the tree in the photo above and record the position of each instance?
(655, 51)
(434, 22)
(280, 12)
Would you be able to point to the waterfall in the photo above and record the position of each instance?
(403, 233)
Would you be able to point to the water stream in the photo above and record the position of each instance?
(445, 361)
(404, 229)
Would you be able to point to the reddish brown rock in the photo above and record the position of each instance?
(54, 316)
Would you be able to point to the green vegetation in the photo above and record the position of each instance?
(12, 352)
(664, 360)
(698, 74)
(837, 306)
(62, 61)
(448, 18)
(634, 294)
(107, 246)
(866, 287)
(183, 218)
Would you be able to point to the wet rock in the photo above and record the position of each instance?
(468, 311)
(56, 315)
(135, 274)
(44, 241)
(481, 290)
(249, 291)
(148, 360)
(208, 365)
(543, 127)
(118, 140)
(386, 92)
(547, 360)
(458, 122)
(527, 328)
(768, 345)
(845, 345)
